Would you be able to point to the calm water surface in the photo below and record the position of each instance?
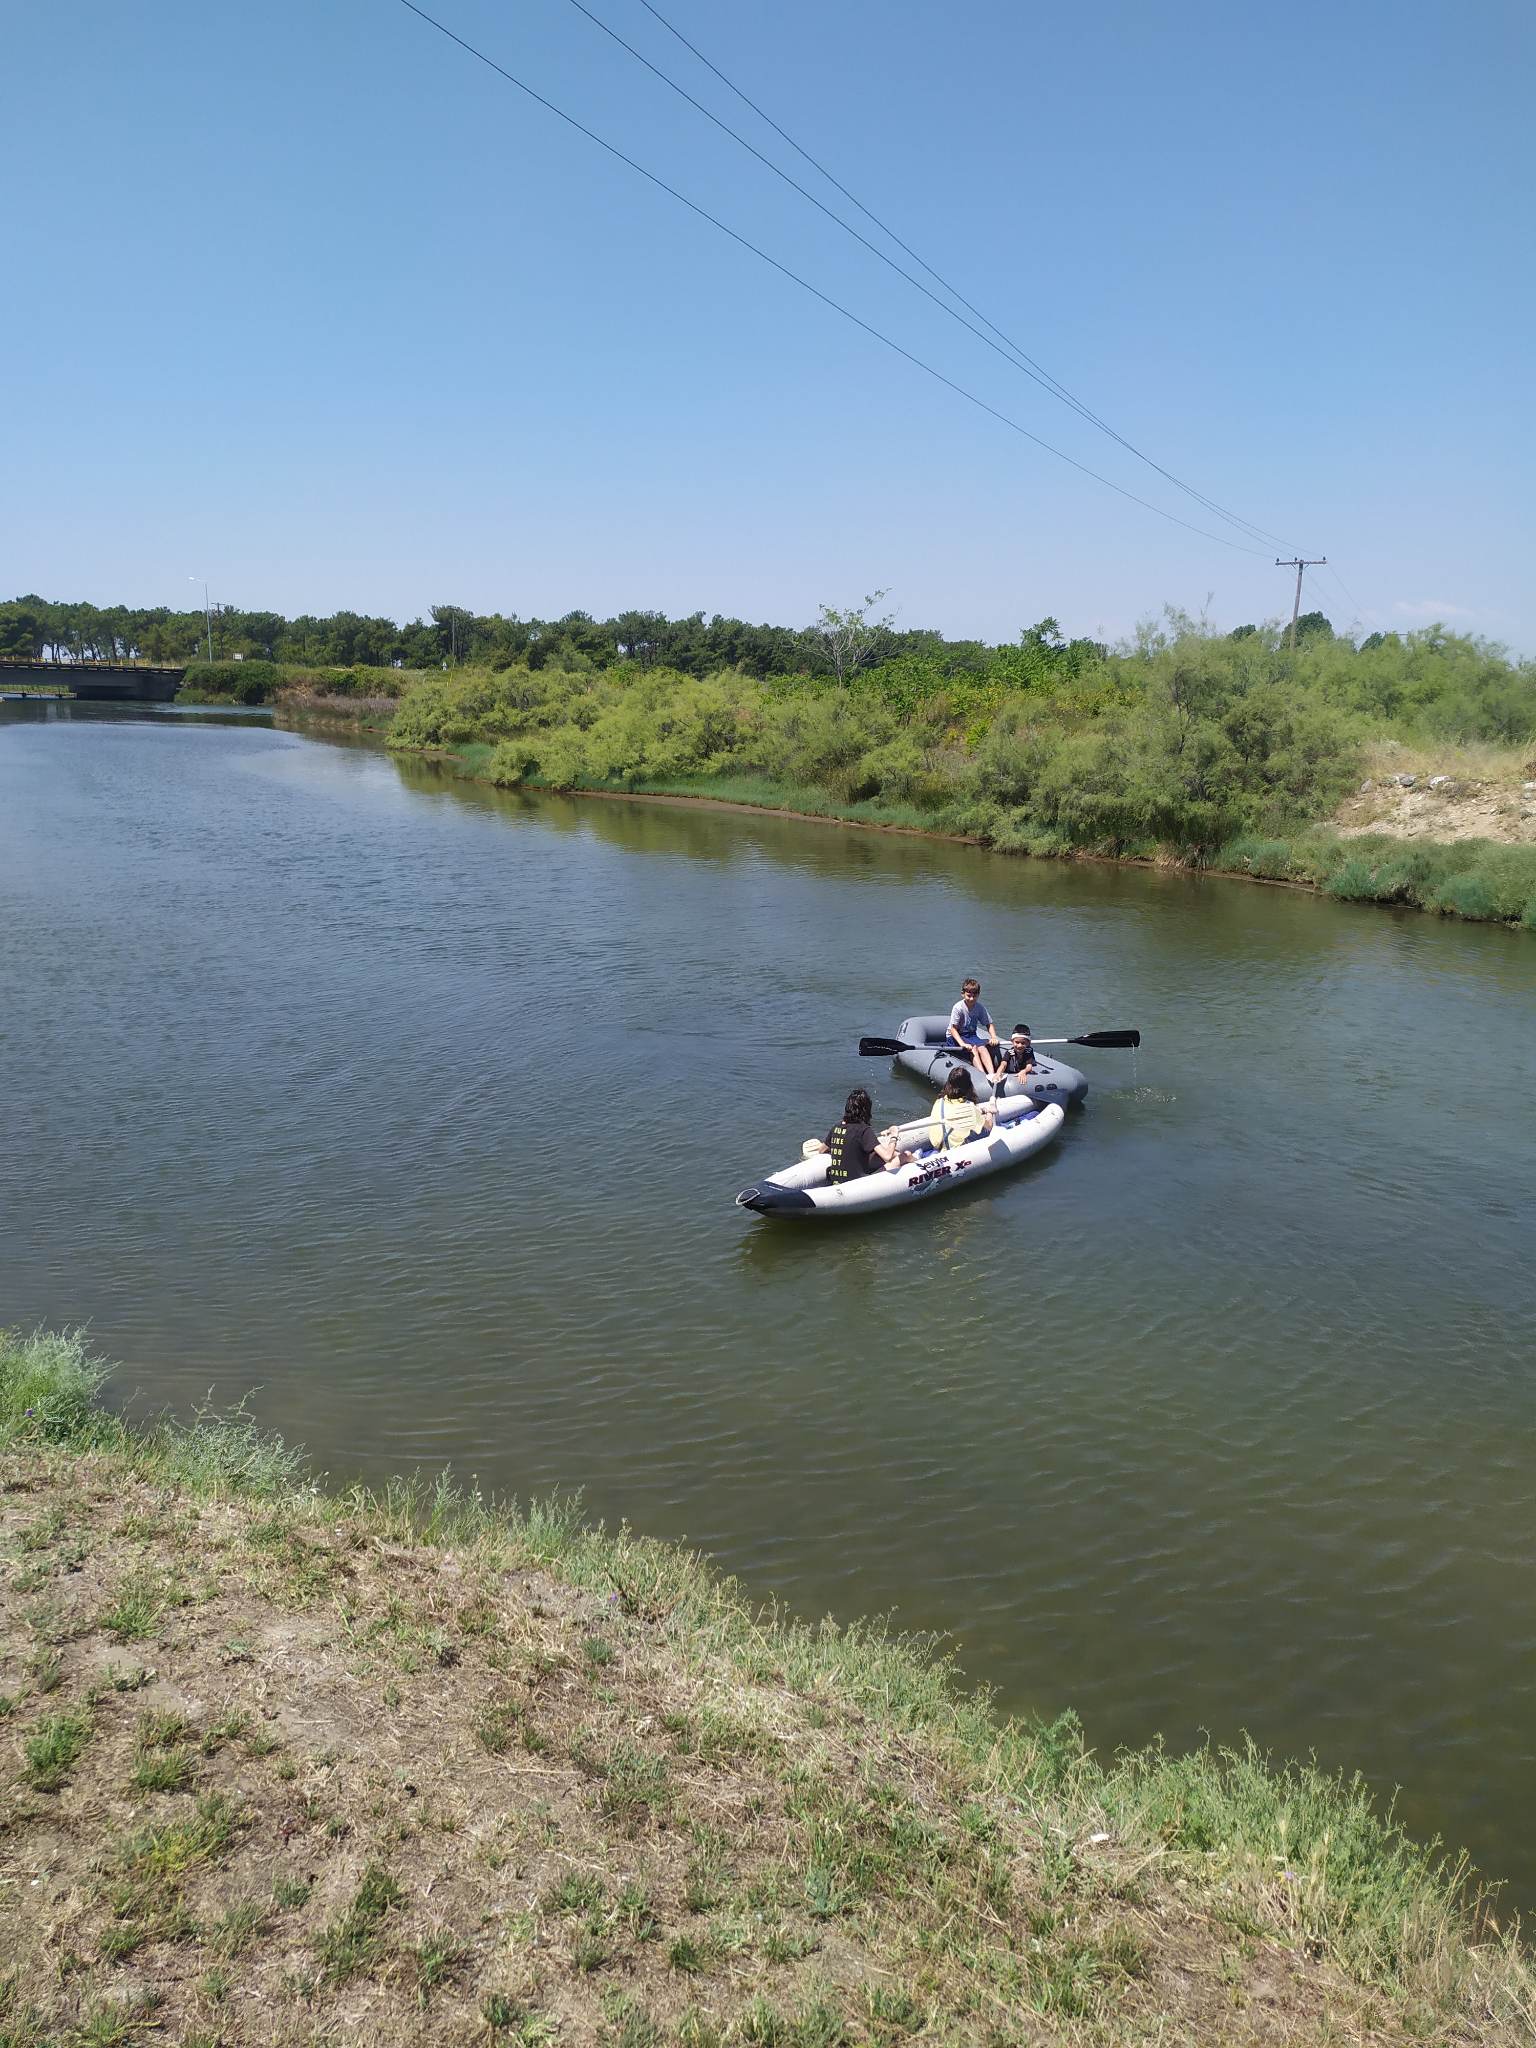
(416, 1113)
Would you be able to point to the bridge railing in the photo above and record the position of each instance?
(34, 666)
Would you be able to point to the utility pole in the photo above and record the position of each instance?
(208, 612)
(1298, 565)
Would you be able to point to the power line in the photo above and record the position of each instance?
(1349, 596)
(1022, 361)
(826, 299)
(1010, 353)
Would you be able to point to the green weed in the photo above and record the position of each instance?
(163, 1855)
(54, 1747)
(496, 1726)
(166, 1770)
(238, 1928)
(230, 1727)
(353, 1944)
(696, 2029)
(631, 2026)
(635, 1911)
(44, 1532)
(132, 1615)
(437, 1961)
(161, 1727)
(513, 2024)
(130, 1678)
(589, 1952)
(636, 1787)
(579, 1891)
(705, 1880)
(47, 1669)
(114, 2026)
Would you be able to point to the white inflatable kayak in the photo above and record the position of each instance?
(1022, 1128)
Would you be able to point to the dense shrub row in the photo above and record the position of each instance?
(1215, 751)
(1196, 752)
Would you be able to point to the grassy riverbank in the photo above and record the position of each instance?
(1482, 880)
(408, 1766)
(1231, 753)
(1226, 754)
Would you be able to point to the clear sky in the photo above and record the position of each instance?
(306, 301)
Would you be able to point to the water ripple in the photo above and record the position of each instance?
(420, 1110)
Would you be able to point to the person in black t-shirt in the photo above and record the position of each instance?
(853, 1147)
(1019, 1053)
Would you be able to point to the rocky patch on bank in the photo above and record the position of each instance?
(1441, 807)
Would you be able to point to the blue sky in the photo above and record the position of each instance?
(307, 302)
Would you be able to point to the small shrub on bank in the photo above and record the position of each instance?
(48, 1389)
(1271, 859)
(1471, 878)
(1465, 896)
(231, 682)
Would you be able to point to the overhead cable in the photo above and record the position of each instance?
(1011, 355)
(1349, 595)
(815, 291)
(1010, 350)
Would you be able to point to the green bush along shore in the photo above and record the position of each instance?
(1216, 751)
(285, 1764)
(269, 682)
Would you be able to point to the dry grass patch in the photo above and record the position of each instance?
(407, 1771)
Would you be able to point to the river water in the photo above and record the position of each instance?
(415, 1113)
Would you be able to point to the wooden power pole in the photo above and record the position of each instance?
(1298, 565)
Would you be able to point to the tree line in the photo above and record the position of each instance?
(1432, 681)
(838, 643)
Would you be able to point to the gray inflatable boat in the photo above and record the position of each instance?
(936, 1060)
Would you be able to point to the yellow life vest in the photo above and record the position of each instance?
(956, 1124)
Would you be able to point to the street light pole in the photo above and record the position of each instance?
(207, 613)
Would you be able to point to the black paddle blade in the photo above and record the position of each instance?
(882, 1048)
(1107, 1038)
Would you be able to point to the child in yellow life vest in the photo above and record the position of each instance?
(958, 1116)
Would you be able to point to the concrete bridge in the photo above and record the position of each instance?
(97, 682)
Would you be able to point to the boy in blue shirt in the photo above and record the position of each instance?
(972, 1029)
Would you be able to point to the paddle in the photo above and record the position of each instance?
(888, 1048)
